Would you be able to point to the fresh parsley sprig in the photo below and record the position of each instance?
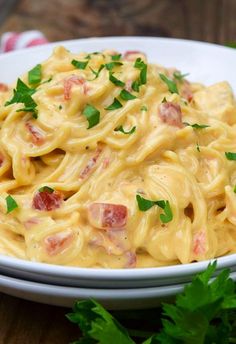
(121, 129)
(145, 204)
(23, 94)
(92, 114)
(196, 125)
(203, 313)
(11, 204)
(35, 75)
(230, 155)
(172, 87)
(142, 80)
(79, 64)
(116, 104)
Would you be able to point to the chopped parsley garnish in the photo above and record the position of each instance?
(142, 66)
(96, 73)
(164, 100)
(92, 115)
(48, 80)
(121, 129)
(144, 108)
(135, 85)
(35, 75)
(145, 204)
(79, 64)
(197, 126)
(172, 87)
(111, 65)
(11, 204)
(116, 57)
(235, 189)
(115, 105)
(179, 76)
(46, 189)
(60, 107)
(23, 94)
(198, 148)
(125, 95)
(230, 155)
(115, 81)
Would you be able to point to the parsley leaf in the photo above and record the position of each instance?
(116, 57)
(121, 129)
(46, 189)
(144, 108)
(79, 64)
(142, 66)
(196, 125)
(198, 148)
(115, 81)
(230, 155)
(135, 85)
(22, 94)
(172, 87)
(96, 73)
(231, 45)
(125, 95)
(179, 76)
(235, 189)
(97, 325)
(115, 105)
(92, 115)
(11, 204)
(145, 204)
(111, 65)
(35, 75)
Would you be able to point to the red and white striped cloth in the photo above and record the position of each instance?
(14, 40)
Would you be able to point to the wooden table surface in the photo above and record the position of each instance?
(26, 322)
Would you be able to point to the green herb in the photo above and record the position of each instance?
(79, 64)
(60, 107)
(48, 80)
(231, 44)
(92, 115)
(235, 189)
(204, 313)
(115, 105)
(96, 73)
(121, 129)
(135, 85)
(144, 108)
(46, 189)
(142, 66)
(88, 57)
(198, 148)
(230, 155)
(178, 76)
(172, 87)
(164, 100)
(111, 65)
(197, 126)
(145, 204)
(116, 81)
(11, 204)
(116, 57)
(35, 75)
(125, 95)
(23, 94)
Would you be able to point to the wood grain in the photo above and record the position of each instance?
(23, 322)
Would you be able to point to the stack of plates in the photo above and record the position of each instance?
(128, 288)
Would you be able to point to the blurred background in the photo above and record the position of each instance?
(205, 20)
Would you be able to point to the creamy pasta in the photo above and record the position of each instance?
(108, 161)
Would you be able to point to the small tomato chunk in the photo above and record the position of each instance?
(107, 216)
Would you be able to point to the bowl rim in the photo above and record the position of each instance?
(108, 273)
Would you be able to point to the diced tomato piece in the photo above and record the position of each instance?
(58, 242)
(69, 82)
(37, 137)
(199, 243)
(46, 200)
(3, 87)
(132, 55)
(171, 114)
(91, 163)
(107, 216)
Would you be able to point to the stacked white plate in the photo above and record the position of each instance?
(128, 288)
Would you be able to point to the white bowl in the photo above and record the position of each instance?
(206, 63)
